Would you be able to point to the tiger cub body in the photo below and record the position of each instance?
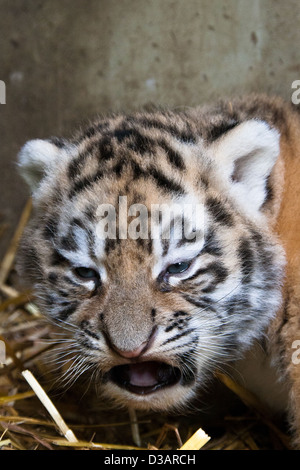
(153, 304)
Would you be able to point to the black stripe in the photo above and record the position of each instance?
(49, 299)
(110, 245)
(198, 273)
(153, 314)
(63, 293)
(68, 242)
(89, 212)
(218, 211)
(165, 183)
(121, 134)
(57, 259)
(258, 239)
(171, 327)
(204, 302)
(187, 241)
(77, 223)
(87, 343)
(85, 183)
(174, 157)
(179, 323)
(203, 182)
(165, 243)
(138, 172)
(140, 143)
(180, 313)
(180, 335)
(185, 134)
(210, 288)
(93, 129)
(75, 166)
(132, 137)
(145, 144)
(221, 129)
(189, 343)
(266, 257)
(66, 312)
(101, 317)
(90, 132)
(269, 190)
(145, 244)
(219, 271)
(59, 142)
(211, 245)
(216, 268)
(118, 168)
(52, 277)
(246, 257)
(136, 169)
(84, 325)
(105, 148)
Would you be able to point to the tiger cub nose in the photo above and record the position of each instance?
(141, 349)
(134, 353)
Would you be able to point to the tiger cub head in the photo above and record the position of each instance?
(149, 247)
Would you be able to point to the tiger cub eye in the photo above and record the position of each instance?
(178, 268)
(87, 273)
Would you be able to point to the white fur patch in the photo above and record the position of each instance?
(38, 158)
(34, 158)
(246, 156)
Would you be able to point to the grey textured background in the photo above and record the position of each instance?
(63, 61)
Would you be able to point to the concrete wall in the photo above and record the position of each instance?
(63, 61)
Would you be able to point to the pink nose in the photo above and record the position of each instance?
(141, 349)
(134, 353)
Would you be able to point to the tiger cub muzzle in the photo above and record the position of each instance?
(142, 376)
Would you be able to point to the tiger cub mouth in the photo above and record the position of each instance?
(143, 378)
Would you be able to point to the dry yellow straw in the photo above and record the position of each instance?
(41, 394)
(134, 427)
(8, 260)
(198, 440)
(6, 442)
(94, 445)
(253, 402)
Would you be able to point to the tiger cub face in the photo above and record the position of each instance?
(149, 247)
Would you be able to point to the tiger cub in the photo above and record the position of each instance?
(165, 244)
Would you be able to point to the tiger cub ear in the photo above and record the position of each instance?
(37, 157)
(245, 156)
